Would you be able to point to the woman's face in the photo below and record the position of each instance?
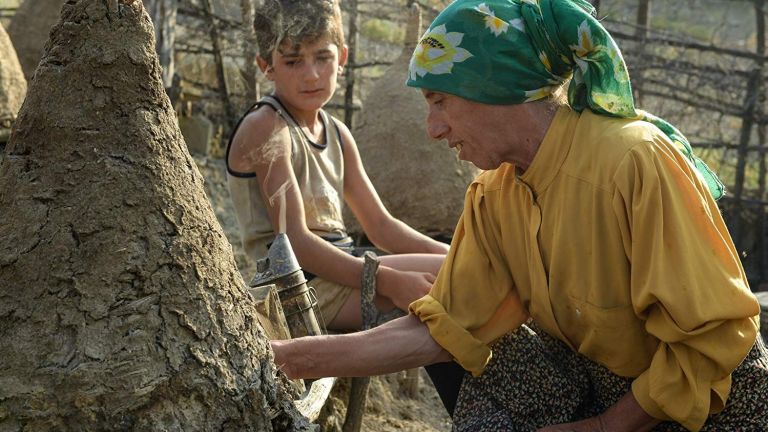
(477, 131)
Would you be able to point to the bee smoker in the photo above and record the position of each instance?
(299, 301)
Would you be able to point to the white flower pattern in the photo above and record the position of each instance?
(495, 24)
(437, 52)
(586, 46)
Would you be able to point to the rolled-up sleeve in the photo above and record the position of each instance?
(473, 300)
(687, 284)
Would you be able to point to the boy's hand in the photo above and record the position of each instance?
(403, 287)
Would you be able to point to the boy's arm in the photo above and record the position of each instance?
(263, 145)
(383, 230)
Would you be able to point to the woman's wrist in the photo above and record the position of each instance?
(627, 415)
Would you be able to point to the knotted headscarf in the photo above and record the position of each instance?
(515, 51)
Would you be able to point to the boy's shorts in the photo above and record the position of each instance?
(330, 297)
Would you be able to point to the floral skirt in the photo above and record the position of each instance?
(535, 380)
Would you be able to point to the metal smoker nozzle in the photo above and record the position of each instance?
(280, 261)
(299, 301)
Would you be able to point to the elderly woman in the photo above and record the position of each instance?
(591, 284)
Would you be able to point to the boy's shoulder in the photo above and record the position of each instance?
(260, 125)
(261, 133)
(338, 124)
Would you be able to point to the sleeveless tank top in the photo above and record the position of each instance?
(319, 171)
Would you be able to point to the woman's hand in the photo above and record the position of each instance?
(403, 287)
(626, 415)
(281, 350)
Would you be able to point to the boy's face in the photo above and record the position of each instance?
(305, 74)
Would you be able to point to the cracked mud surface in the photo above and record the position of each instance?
(121, 306)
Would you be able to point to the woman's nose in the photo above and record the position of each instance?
(436, 128)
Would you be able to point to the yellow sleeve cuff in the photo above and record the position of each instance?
(471, 353)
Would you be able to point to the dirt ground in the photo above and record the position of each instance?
(388, 408)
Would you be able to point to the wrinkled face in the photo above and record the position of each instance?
(305, 74)
(472, 128)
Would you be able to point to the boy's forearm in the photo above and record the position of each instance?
(396, 236)
(321, 258)
(400, 344)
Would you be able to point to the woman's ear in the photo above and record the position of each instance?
(265, 67)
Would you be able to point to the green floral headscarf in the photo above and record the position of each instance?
(514, 51)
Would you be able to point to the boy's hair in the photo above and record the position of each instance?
(296, 21)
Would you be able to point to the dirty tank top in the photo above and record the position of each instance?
(319, 171)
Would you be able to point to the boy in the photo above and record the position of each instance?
(290, 164)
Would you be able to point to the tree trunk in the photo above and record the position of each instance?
(163, 14)
(760, 109)
(641, 31)
(120, 304)
(751, 107)
(29, 31)
(761, 137)
(349, 92)
(213, 32)
(643, 18)
(250, 52)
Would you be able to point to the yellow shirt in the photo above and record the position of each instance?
(612, 243)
